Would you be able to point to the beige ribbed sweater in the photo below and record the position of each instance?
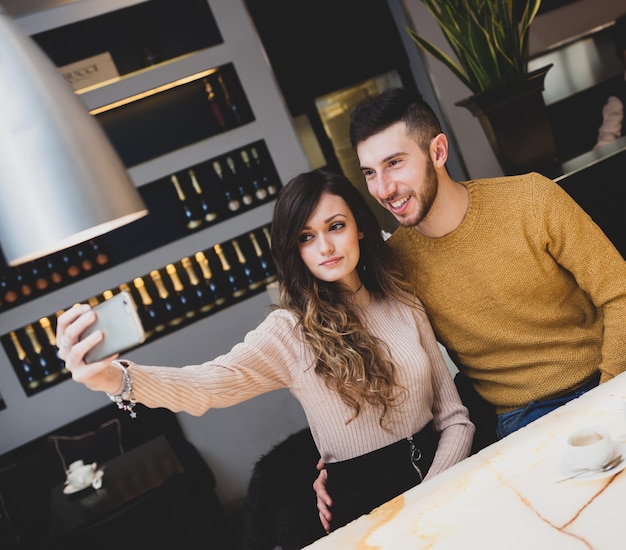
(273, 356)
(527, 294)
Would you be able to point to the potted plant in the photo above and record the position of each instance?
(490, 41)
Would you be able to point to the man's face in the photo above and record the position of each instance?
(399, 175)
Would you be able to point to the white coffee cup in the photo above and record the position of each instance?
(589, 448)
(81, 475)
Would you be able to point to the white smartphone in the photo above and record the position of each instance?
(119, 321)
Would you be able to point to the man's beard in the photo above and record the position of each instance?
(425, 199)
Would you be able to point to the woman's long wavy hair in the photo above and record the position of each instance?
(351, 361)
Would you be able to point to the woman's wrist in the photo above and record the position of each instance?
(124, 398)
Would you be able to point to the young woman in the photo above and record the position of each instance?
(353, 346)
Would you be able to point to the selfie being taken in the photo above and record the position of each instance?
(282, 283)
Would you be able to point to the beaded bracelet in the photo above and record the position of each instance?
(125, 400)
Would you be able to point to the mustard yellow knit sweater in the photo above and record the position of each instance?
(528, 295)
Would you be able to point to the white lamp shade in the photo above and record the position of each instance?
(61, 181)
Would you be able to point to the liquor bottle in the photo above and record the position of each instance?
(208, 212)
(187, 301)
(8, 293)
(93, 301)
(265, 266)
(268, 238)
(232, 202)
(69, 265)
(272, 188)
(216, 296)
(244, 267)
(84, 261)
(42, 368)
(215, 108)
(36, 276)
(21, 284)
(171, 311)
(236, 284)
(24, 369)
(107, 294)
(203, 298)
(51, 344)
(52, 271)
(95, 252)
(191, 218)
(259, 192)
(239, 183)
(147, 312)
(229, 102)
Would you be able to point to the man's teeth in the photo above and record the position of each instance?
(399, 203)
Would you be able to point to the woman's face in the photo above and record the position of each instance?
(329, 242)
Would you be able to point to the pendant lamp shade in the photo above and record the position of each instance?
(61, 181)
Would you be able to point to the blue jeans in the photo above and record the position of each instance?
(514, 420)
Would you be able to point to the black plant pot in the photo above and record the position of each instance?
(515, 119)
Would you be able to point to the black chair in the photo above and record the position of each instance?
(280, 508)
(482, 413)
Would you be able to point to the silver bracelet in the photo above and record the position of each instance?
(125, 399)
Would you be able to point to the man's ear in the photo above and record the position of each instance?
(439, 150)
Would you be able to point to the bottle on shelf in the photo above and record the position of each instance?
(21, 283)
(237, 286)
(207, 210)
(8, 293)
(96, 253)
(215, 295)
(52, 271)
(43, 369)
(204, 299)
(84, 261)
(244, 267)
(187, 300)
(107, 294)
(192, 220)
(215, 108)
(170, 310)
(36, 275)
(268, 238)
(259, 192)
(271, 187)
(246, 195)
(150, 318)
(69, 265)
(51, 343)
(232, 202)
(265, 266)
(232, 107)
(25, 370)
(93, 301)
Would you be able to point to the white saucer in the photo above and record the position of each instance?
(71, 489)
(620, 450)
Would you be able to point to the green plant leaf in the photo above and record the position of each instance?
(488, 37)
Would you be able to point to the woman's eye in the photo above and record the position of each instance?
(305, 237)
(337, 225)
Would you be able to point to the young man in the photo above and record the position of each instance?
(523, 289)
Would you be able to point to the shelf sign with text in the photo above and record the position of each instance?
(90, 71)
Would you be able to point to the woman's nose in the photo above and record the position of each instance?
(326, 245)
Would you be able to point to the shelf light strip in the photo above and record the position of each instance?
(152, 91)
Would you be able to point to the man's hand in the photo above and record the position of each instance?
(324, 502)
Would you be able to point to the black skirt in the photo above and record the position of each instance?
(360, 484)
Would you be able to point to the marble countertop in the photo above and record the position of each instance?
(505, 497)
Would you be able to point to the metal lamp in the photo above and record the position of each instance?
(61, 182)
